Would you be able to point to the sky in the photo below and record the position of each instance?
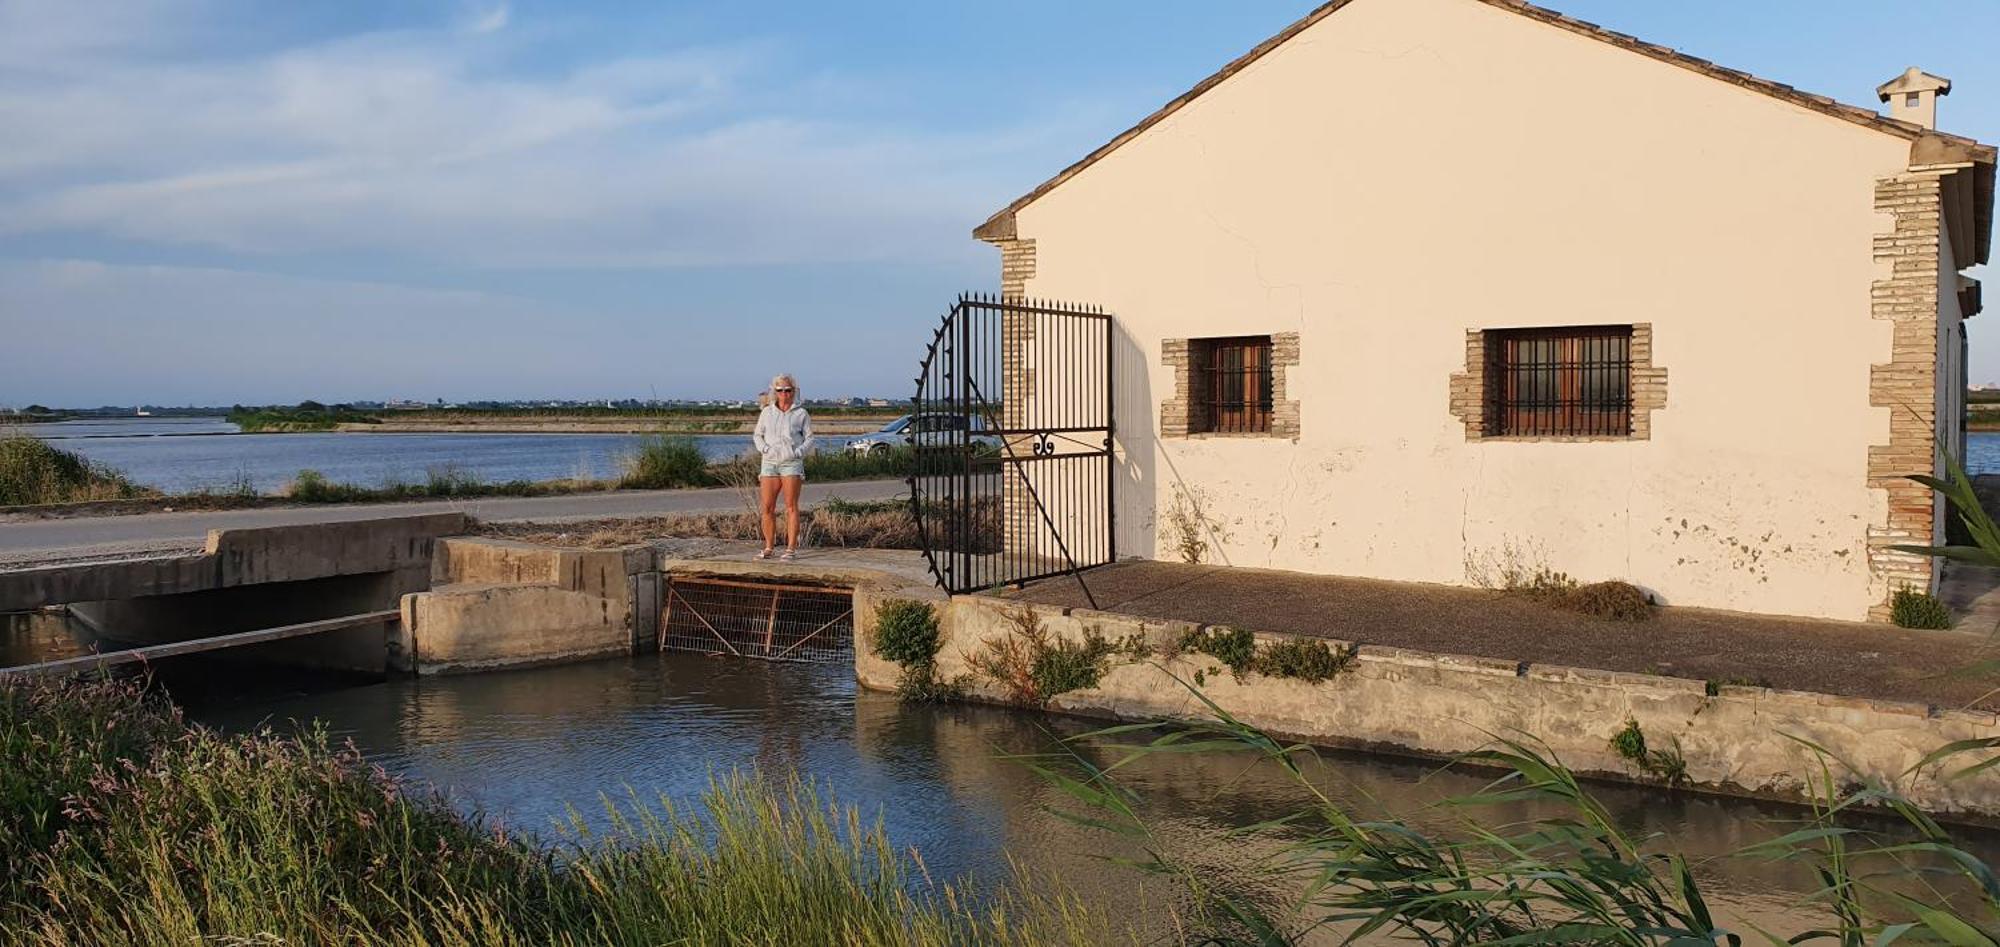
(238, 201)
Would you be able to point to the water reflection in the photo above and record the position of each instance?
(522, 746)
(34, 637)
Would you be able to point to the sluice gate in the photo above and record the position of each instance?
(768, 620)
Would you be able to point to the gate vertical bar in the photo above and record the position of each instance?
(962, 405)
(1110, 448)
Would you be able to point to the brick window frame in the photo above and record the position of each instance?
(1475, 392)
(1185, 415)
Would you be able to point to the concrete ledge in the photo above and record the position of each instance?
(502, 603)
(1740, 741)
(482, 627)
(235, 557)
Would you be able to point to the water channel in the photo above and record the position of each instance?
(525, 746)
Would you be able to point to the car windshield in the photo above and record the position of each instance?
(897, 425)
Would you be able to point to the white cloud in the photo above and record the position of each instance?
(492, 21)
(414, 144)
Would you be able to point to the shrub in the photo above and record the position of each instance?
(663, 462)
(1913, 609)
(1236, 648)
(906, 632)
(1306, 659)
(1062, 665)
(32, 472)
(1616, 601)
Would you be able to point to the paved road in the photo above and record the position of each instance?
(24, 541)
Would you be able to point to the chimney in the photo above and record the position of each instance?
(1913, 96)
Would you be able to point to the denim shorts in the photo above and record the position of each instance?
(790, 468)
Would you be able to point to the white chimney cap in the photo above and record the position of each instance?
(1913, 96)
(1913, 81)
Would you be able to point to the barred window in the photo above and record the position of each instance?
(1568, 382)
(1232, 385)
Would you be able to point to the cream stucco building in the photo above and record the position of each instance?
(1418, 288)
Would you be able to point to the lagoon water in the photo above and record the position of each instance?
(191, 454)
(949, 782)
(180, 455)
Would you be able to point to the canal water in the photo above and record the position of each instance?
(524, 747)
(185, 455)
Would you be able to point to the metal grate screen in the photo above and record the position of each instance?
(768, 620)
(1235, 384)
(1559, 382)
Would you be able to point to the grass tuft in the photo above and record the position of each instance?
(34, 473)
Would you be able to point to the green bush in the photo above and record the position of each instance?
(666, 461)
(32, 472)
(906, 632)
(1913, 609)
(1062, 665)
(1306, 659)
(1236, 648)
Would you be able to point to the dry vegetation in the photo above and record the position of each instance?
(886, 524)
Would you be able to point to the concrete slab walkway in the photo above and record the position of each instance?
(1851, 659)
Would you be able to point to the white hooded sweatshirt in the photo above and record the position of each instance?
(783, 436)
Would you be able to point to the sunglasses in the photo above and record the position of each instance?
(784, 391)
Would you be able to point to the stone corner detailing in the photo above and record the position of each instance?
(1906, 384)
(1185, 415)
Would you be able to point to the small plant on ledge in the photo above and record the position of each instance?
(1913, 609)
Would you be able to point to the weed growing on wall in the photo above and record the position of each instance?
(1913, 609)
(1187, 529)
(1305, 659)
(1630, 745)
(1033, 665)
(1236, 648)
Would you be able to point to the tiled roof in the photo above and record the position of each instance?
(1942, 147)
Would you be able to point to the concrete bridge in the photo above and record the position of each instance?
(325, 595)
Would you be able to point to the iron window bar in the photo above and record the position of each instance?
(1559, 382)
(1235, 387)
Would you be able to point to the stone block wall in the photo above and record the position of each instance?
(1906, 384)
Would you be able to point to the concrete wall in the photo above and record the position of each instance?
(1736, 742)
(498, 603)
(1402, 172)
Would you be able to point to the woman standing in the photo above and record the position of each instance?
(783, 437)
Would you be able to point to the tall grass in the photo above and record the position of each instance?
(32, 472)
(126, 827)
(1569, 877)
(665, 462)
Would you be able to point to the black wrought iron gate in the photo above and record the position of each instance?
(1013, 471)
